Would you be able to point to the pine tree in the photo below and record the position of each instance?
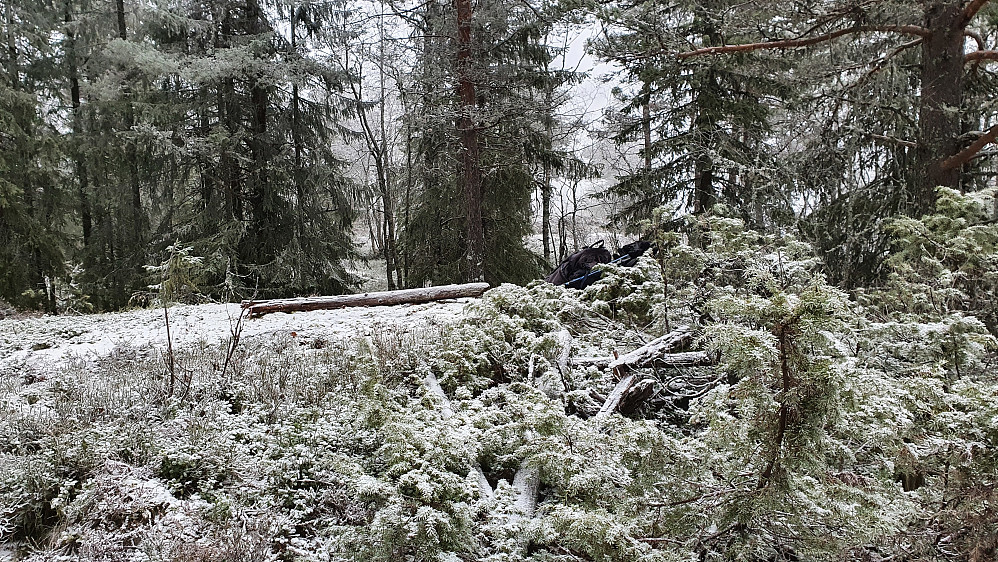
(32, 200)
(501, 82)
(701, 125)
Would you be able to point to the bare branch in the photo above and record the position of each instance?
(882, 62)
(797, 43)
(977, 37)
(980, 55)
(968, 153)
(893, 140)
(971, 10)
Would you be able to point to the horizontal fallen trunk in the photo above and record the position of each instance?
(382, 298)
(644, 355)
(666, 361)
(657, 353)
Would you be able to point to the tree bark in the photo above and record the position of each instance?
(12, 69)
(265, 220)
(229, 114)
(296, 140)
(120, 11)
(939, 106)
(131, 150)
(468, 134)
(383, 298)
(655, 349)
(546, 187)
(83, 186)
(705, 122)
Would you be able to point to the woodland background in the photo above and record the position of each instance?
(259, 141)
(818, 177)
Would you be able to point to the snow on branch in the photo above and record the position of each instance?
(644, 355)
(381, 298)
(806, 41)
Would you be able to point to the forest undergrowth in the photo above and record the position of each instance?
(832, 426)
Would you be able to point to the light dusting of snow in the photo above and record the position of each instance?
(52, 341)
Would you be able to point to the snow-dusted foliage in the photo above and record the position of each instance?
(826, 429)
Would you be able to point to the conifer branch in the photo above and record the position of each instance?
(977, 37)
(980, 55)
(806, 42)
(968, 153)
(882, 62)
(893, 140)
(971, 10)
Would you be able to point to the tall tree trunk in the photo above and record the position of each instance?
(546, 187)
(704, 190)
(296, 140)
(261, 195)
(941, 96)
(705, 123)
(410, 181)
(120, 11)
(229, 116)
(83, 187)
(387, 198)
(546, 191)
(12, 70)
(468, 133)
(131, 151)
(646, 132)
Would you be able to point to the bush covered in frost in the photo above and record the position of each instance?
(831, 428)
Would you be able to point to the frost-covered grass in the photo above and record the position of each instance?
(456, 431)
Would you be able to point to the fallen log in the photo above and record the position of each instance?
(658, 353)
(665, 361)
(381, 298)
(613, 400)
(644, 355)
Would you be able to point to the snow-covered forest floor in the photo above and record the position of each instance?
(831, 427)
(44, 342)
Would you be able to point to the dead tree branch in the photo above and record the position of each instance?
(644, 355)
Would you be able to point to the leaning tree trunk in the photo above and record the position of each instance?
(941, 95)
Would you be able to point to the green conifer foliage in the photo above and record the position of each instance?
(33, 202)
(510, 70)
(703, 125)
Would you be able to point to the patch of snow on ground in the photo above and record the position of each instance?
(51, 341)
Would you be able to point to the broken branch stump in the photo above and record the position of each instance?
(381, 298)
